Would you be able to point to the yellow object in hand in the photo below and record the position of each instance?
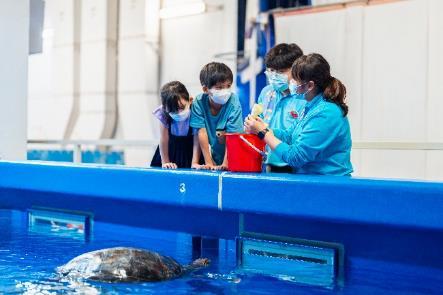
(257, 110)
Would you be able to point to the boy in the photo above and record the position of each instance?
(280, 108)
(214, 113)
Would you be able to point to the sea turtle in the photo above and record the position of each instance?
(123, 264)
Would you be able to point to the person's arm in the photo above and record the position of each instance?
(283, 135)
(271, 140)
(164, 148)
(205, 147)
(233, 125)
(255, 125)
(234, 122)
(196, 151)
(198, 122)
(224, 165)
(317, 135)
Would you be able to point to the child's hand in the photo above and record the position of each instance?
(221, 167)
(206, 167)
(169, 166)
(199, 167)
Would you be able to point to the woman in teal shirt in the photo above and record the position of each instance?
(320, 141)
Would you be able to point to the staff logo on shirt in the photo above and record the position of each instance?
(293, 114)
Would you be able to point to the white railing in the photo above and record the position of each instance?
(397, 145)
(77, 145)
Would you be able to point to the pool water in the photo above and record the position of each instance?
(28, 260)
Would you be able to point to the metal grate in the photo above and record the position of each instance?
(305, 262)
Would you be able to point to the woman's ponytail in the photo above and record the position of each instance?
(314, 67)
(335, 92)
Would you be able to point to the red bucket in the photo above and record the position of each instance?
(245, 152)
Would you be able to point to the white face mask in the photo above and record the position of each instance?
(293, 88)
(220, 96)
(278, 80)
(182, 115)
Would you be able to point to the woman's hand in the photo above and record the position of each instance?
(254, 125)
(169, 166)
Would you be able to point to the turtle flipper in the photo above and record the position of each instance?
(201, 262)
(196, 264)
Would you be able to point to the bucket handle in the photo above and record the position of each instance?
(263, 154)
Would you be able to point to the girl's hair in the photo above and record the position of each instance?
(314, 67)
(170, 94)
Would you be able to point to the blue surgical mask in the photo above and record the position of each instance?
(220, 96)
(182, 115)
(293, 89)
(277, 80)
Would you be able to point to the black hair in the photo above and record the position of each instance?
(314, 67)
(282, 56)
(214, 73)
(170, 94)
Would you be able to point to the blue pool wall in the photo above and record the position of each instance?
(391, 220)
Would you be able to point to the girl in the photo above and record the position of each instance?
(177, 148)
(320, 142)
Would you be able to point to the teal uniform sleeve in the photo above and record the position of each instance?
(283, 135)
(197, 114)
(234, 123)
(317, 134)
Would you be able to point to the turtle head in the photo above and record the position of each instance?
(200, 262)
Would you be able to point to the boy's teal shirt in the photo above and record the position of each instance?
(228, 120)
(279, 112)
(320, 143)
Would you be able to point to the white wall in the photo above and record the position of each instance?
(54, 73)
(153, 52)
(97, 117)
(392, 69)
(74, 80)
(14, 37)
(188, 43)
(75, 76)
(139, 36)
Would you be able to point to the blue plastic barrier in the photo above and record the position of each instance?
(389, 219)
